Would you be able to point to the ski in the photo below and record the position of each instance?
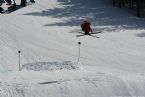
(91, 32)
(94, 36)
(80, 35)
(88, 34)
(95, 32)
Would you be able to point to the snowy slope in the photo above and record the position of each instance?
(45, 32)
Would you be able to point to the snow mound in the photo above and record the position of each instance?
(51, 66)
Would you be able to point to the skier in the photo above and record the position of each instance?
(86, 27)
(1, 9)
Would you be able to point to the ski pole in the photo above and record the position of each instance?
(79, 51)
(19, 52)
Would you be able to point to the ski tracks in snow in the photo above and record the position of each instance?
(97, 83)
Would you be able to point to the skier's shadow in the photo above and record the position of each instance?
(53, 82)
(49, 82)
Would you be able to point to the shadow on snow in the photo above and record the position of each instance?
(101, 13)
(141, 34)
(53, 82)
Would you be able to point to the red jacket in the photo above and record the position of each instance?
(86, 26)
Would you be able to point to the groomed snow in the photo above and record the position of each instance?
(45, 33)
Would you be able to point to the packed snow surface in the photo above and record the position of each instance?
(45, 33)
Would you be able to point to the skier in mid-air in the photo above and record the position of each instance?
(86, 27)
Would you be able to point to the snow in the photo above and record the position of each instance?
(51, 66)
(45, 33)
